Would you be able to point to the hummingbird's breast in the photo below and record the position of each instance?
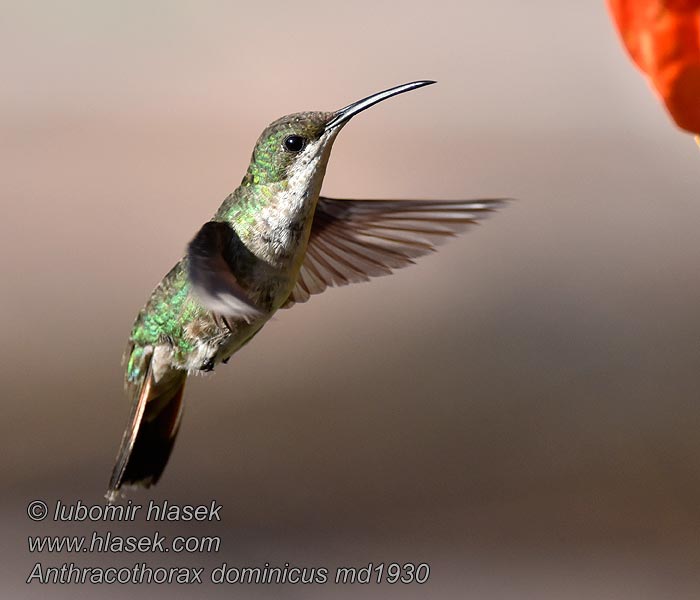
(272, 224)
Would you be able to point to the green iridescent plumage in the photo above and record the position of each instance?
(165, 317)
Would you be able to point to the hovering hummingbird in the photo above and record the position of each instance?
(273, 243)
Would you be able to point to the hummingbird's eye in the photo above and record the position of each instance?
(294, 143)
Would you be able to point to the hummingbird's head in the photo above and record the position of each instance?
(296, 148)
(290, 145)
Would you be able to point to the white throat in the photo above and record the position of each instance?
(287, 219)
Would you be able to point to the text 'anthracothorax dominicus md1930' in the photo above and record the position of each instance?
(274, 242)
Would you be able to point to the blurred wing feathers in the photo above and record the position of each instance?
(211, 276)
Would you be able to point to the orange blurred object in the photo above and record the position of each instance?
(663, 38)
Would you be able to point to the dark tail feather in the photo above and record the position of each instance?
(150, 434)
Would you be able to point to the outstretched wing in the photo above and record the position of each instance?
(211, 276)
(353, 240)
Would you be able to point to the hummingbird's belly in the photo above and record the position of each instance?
(235, 342)
(234, 334)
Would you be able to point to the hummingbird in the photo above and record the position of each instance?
(273, 242)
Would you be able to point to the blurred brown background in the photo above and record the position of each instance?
(519, 410)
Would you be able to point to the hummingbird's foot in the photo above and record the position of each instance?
(208, 365)
(225, 361)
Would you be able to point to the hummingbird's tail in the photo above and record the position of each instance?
(150, 433)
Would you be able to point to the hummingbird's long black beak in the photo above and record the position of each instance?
(345, 114)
